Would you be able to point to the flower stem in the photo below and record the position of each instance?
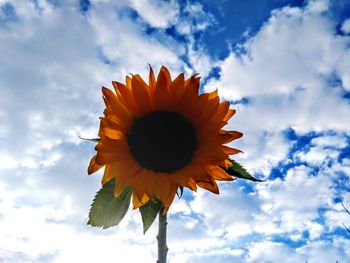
(161, 237)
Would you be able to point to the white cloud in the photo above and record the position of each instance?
(343, 167)
(199, 60)
(317, 6)
(38, 233)
(284, 73)
(346, 26)
(268, 251)
(287, 207)
(212, 256)
(197, 19)
(337, 141)
(319, 251)
(127, 46)
(262, 150)
(229, 213)
(337, 219)
(180, 206)
(7, 162)
(157, 13)
(326, 251)
(295, 189)
(293, 203)
(317, 156)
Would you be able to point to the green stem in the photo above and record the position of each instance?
(161, 237)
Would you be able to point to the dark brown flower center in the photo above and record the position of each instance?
(162, 141)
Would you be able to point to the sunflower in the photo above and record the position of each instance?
(159, 136)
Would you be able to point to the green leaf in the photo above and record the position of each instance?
(90, 139)
(106, 210)
(181, 189)
(149, 212)
(239, 171)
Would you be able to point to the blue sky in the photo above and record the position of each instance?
(284, 65)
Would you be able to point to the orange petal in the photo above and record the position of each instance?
(93, 166)
(209, 110)
(124, 94)
(125, 172)
(107, 145)
(106, 158)
(137, 202)
(111, 152)
(204, 157)
(128, 82)
(140, 182)
(161, 94)
(177, 89)
(109, 173)
(230, 151)
(185, 178)
(207, 131)
(213, 94)
(229, 114)
(195, 109)
(111, 100)
(228, 136)
(141, 97)
(191, 183)
(141, 81)
(226, 164)
(108, 122)
(111, 133)
(152, 79)
(120, 185)
(209, 185)
(222, 111)
(170, 199)
(218, 173)
(151, 84)
(163, 188)
(167, 76)
(191, 90)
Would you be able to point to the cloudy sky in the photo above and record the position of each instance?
(285, 67)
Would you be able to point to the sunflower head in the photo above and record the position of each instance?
(157, 137)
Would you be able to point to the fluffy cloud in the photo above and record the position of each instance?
(330, 141)
(157, 13)
(293, 48)
(346, 26)
(299, 198)
(198, 19)
(285, 72)
(317, 156)
(229, 214)
(320, 251)
(127, 47)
